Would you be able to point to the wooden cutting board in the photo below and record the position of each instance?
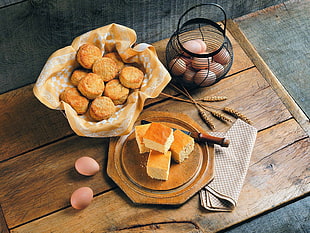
(127, 167)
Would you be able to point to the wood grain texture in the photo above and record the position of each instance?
(30, 31)
(289, 218)
(27, 124)
(270, 118)
(3, 225)
(252, 89)
(281, 37)
(269, 183)
(268, 74)
(51, 169)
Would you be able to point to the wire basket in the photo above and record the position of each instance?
(199, 54)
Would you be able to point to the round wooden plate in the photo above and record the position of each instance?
(127, 167)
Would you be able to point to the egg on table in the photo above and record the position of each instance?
(86, 166)
(81, 198)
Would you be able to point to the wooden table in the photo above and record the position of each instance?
(38, 151)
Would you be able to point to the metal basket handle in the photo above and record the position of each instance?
(199, 5)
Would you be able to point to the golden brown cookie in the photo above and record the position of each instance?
(131, 77)
(87, 55)
(106, 68)
(116, 91)
(118, 60)
(77, 75)
(91, 86)
(73, 97)
(102, 108)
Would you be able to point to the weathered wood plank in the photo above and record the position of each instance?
(268, 74)
(280, 35)
(7, 3)
(165, 227)
(42, 181)
(27, 124)
(289, 218)
(251, 87)
(31, 30)
(265, 188)
(263, 114)
(3, 225)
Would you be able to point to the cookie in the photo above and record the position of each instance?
(116, 91)
(87, 55)
(102, 108)
(73, 97)
(77, 75)
(106, 68)
(91, 86)
(118, 60)
(131, 77)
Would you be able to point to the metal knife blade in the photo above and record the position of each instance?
(201, 137)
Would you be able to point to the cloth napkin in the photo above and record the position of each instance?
(231, 165)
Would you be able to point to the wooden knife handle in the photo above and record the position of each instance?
(216, 140)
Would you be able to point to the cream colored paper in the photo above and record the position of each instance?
(55, 77)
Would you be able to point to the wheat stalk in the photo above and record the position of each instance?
(203, 108)
(237, 114)
(205, 117)
(213, 98)
(220, 116)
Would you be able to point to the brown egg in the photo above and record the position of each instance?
(188, 75)
(86, 166)
(204, 78)
(200, 63)
(193, 46)
(187, 60)
(177, 66)
(222, 57)
(216, 68)
(203, 45)
(81, 198)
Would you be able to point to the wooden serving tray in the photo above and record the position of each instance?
(127, 167)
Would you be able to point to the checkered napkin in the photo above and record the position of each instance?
(231, 165)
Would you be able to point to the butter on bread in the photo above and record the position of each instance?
(182, 146)
(158, 137)
(139, 133)
(158, 165)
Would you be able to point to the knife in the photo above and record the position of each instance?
(201, 137)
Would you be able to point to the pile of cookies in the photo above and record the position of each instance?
(101, 83)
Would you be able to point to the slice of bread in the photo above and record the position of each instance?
(139, 133)
(158, 137)
(158, 165)
(182, 146)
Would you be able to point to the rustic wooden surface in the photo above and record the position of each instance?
(281, 36)
(38, 151)
(30, 30)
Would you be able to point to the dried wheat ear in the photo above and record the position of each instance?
(206, 110)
